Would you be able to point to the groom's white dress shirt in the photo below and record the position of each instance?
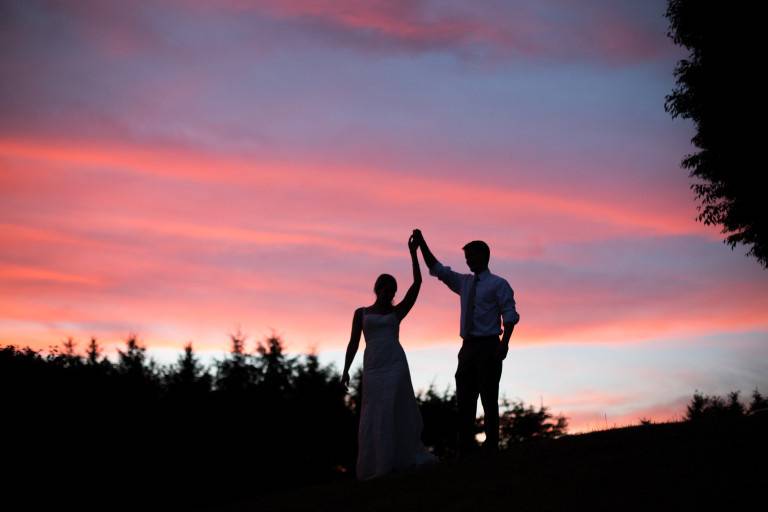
(494, 299)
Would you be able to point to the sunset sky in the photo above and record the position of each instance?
(184, 169)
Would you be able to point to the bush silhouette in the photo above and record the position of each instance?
(520, 423)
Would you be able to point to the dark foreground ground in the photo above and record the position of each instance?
(673, 466)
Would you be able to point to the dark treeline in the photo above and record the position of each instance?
(183, 434)
(189, 434)
(83, 429)
(713, 409)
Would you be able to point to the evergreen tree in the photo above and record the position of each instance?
(234, 374)
(188, 377)
(93, 353)
(758, 403)
(274, 368)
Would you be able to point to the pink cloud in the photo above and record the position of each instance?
(598, 31)
(340, 186)
(231, 239)
(531, 29)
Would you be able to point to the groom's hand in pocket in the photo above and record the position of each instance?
(501, 351)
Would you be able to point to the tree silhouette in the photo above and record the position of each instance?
(234, 374)
(69, 355)
(323, 422)
(274, 369)
(132, 362)
(718, 88)
(440, 415)
(188, 377)
(520, 423)
(713, 408)
(759, 403)
(93, 353)
(266, 421)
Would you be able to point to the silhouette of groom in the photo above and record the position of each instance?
(485, 299)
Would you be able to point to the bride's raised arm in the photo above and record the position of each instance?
(405, 305)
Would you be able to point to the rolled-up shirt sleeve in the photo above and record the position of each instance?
(449, 277)
(506, 298)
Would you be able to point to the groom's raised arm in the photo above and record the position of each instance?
(429, 258)
(445, 274)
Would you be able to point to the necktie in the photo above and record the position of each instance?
(469, 314)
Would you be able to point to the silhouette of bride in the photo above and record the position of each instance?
(389, 434)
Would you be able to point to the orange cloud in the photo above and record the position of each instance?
(27, 273)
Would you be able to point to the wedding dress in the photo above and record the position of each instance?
(389, 435)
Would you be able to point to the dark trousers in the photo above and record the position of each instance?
(478, 373)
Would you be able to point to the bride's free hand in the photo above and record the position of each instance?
(345, 380)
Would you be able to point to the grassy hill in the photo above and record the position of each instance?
(672, 466)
